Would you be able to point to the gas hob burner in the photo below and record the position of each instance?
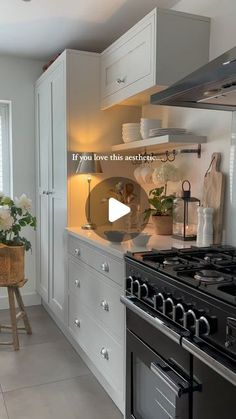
(172, 261)
(214, 257)
(209, 276)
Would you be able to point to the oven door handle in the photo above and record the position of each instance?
(154, 321)
(167, 380)
(210, 361)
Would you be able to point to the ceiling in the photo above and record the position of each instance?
(42, 28)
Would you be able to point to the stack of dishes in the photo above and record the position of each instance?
(157, 132)
(131, 132)
(147, 124)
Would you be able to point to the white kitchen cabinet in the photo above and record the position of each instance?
(99, 295)
(100, 261)
(69, 120)
(96, 315)
(52, 187)
(159, 50)
(43, 137)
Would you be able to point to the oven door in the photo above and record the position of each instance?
(154, 388)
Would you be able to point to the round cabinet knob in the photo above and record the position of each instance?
(105, 305)
(120, 80)
(77, 252)
(104, 353)
(77, 283)
(77, 323)
(105, 267)
(44, 192)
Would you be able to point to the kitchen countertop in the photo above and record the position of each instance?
(155, 242)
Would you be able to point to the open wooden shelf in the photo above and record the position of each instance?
(175, 141)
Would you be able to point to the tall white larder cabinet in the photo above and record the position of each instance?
(51, 134)
(68, 119)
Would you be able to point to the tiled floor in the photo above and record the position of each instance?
(47, 379)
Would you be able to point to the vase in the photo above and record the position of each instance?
(163, 224)
(12, 269)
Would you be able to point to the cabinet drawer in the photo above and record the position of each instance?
(98, 260)
(101, 297)
(101, 348)
(76, 248)
(129, 65)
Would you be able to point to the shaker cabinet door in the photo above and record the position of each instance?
(43, 132)
(52, 187)
(128, 66)
(57, 192)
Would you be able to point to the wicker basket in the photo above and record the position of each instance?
(12, 265)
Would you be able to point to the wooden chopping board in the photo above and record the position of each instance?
(213, 195)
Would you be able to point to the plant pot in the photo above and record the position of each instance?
(163, 224)
(12, 259)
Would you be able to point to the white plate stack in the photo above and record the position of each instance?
(131, 132)
(157, 132)
(147, 124)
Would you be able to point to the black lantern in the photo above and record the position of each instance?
(185, 214)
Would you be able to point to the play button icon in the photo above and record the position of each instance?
(115, 206)
(116, 210)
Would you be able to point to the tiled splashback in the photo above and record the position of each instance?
(217, 126)
(231, 219)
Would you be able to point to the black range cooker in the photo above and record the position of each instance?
(181, 333)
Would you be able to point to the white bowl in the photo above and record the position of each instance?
(115, 236)
(131, 132)
(130, 139)
(141, 240)
(131, 124)
(146, 125)
(148, 121)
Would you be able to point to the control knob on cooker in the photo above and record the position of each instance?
(178, 313)
(159, 301)
(190, 319)
(143, 291)
(135, 287)
(202, 327)
(129, 282)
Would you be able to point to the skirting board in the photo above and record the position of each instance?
(30, 299)
(117, 400)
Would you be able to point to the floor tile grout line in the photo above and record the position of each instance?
(66, 341)
(4, 402)
(48, 382)
(37, 343)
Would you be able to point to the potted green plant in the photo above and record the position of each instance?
(161, 212)
(14, 216)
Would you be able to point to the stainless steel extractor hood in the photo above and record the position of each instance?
(212, 86)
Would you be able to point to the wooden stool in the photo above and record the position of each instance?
(14, 291)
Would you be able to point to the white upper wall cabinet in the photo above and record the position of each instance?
(159, 50)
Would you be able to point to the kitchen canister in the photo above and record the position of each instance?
(200, 226)
(207, 238)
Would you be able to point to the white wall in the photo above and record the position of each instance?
(17, 78)
(223, 28)
(215, 124)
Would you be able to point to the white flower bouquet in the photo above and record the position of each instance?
(15, 215)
